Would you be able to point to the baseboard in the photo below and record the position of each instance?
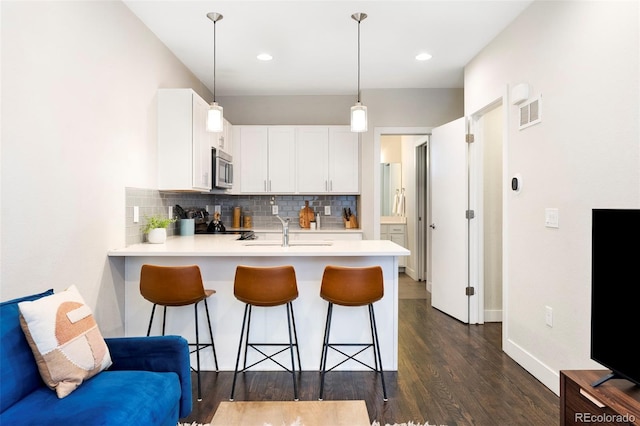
(539, 370)
(411, 273)
(493, 315)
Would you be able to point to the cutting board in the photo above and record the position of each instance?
(306, 216)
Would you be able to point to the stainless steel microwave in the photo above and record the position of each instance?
(222, 166)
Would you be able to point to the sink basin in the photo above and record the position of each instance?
(268, 243)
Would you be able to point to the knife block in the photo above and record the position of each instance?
(352, 223)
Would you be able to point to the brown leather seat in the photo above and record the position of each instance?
(352, 287)
(178, 286)
(349, 286)
(172, 285)
(266, 287)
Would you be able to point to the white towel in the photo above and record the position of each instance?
(396, 201)
(400, 210)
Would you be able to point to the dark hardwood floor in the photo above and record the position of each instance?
(448, 373)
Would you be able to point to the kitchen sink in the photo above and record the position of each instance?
(269, 243)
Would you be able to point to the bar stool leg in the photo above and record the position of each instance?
(377, 355)
(195, 309)
(164, 318)
(295, 335)
(293, 364)
(325, 349)
(235, 373)
(153, 311)
(213, 346)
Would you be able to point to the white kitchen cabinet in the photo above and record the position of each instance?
(327, 160)
(224, 140)
(395, 232)
(184, 145)
(267, 155)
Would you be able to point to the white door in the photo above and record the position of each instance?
(449, 232)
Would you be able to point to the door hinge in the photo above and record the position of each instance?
(469, 138)
(469, 291)
(470, 214)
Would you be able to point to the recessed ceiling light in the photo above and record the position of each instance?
(265, 57)
(423, 57)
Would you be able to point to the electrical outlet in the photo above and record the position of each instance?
(327, 210)
(217, 209)
(136, 214)
(170, 212)
(548, 316)
(274, 209)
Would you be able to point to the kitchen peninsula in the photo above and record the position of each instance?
(218, 256)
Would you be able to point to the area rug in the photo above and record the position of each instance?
(375, 423)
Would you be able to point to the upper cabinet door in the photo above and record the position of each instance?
(281, 159)
(312, 159)
(344, 160)
(201, 145)
(223, 140)
(253, 158)
(184, 145)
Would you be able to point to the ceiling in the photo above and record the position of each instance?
(314, 44)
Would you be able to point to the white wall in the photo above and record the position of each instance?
(583, 57)
(79, 83)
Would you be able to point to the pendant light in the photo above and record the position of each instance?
(359, 111)
(214, 113)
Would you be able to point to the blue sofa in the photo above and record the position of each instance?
(149, 382)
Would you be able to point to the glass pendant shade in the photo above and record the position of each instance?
(358, 118)
(214, 118)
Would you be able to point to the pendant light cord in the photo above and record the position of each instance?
(359, 60)
(214, 61)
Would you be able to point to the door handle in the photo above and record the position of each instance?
(432, 226)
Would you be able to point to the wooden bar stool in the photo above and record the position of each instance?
(266, 287)
(178, 286)
(352, 287)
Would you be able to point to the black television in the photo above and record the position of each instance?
(615, 292)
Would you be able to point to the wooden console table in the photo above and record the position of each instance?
(615, 402)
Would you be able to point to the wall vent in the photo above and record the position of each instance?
(531, 113)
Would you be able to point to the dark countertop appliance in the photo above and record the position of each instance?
(217, 227)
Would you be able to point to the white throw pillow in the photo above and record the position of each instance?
(65, 340)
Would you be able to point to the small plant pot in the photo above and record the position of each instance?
(157, 236)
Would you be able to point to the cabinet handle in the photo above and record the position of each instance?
(330, 185)
(326, 185)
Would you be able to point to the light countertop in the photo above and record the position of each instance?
(392, 220)
(228, 246)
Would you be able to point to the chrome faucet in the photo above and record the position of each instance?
(285, 231)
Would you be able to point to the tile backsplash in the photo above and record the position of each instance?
(151, 202)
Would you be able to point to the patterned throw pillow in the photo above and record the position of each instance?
(65, 340)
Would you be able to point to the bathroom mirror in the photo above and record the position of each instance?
(390, 181)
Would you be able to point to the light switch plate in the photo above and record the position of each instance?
(551, 218)
(327, 210)
(274, 209)
(136, 214)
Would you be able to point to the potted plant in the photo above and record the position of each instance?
(156, 228)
